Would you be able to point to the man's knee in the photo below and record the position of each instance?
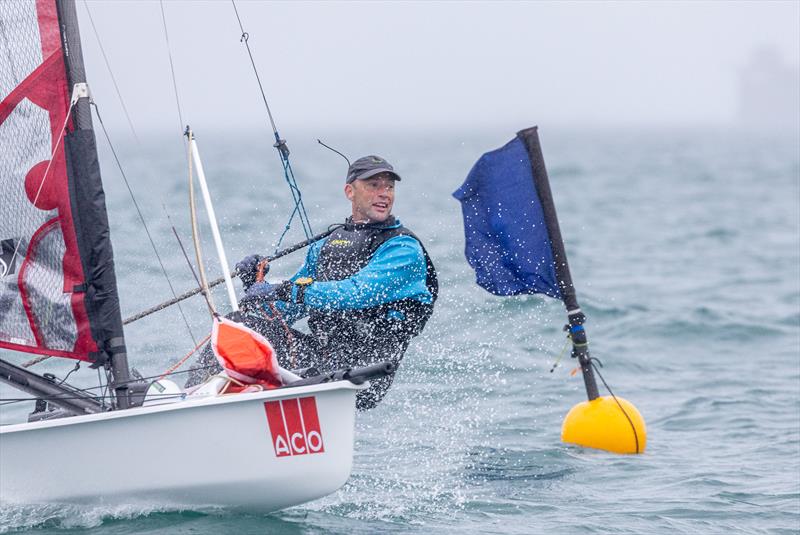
(204, 367)
(369, 398)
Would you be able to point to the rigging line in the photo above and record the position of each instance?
(110, 72)
(76, 368)
(100, 382)
(183, 249)
(280, 144)
(184, 358)
(288, 225)
(147, 378)
(299, 201)
(8, 401)
(561, 354)
(141, 218)
(171, 66)
(285, 230)
(103, 387)
(244, 39)
(220, 280)
(299, 207)
(75, 391)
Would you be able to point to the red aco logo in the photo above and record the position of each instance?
(294, 425)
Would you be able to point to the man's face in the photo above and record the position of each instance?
(372, 198)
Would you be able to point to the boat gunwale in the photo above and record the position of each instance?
(187, 403)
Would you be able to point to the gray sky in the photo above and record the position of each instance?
(434, 64)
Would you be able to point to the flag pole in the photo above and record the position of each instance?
(576, 318)
(607, 422)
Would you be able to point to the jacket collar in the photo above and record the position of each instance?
(391, 222)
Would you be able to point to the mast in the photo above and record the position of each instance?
(58, 295)
(88, 199)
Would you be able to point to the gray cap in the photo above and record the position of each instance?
(368, 167)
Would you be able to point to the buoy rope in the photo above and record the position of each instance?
(630, 421)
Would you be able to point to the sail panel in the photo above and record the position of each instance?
(58, 291)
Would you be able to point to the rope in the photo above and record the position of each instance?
(560, 355)
(244, 39)
(76, 368)
(299, 207)
(184, 358)
(171, 66)
(633, 427)
(103, 387)
(280, 144)
(592, 361)
(183, 249)
(110, 72)
(8, 401)
(141, 218)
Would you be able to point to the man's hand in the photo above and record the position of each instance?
(261, 292)
(247, 269)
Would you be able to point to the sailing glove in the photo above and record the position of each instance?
(247, 268)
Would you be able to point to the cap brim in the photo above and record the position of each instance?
(372, 172)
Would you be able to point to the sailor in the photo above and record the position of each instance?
(367, 289)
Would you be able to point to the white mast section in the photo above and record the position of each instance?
(201, 176)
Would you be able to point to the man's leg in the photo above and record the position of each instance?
(204, 367)
(390, 349)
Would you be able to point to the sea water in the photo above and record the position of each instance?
(684, 247)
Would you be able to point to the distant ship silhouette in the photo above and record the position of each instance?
(769, 91)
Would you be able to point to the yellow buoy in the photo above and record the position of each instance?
(601, 424)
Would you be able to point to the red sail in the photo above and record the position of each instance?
(43, 275)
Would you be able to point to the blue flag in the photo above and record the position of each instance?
(507, 240)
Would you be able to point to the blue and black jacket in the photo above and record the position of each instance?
(371, 281)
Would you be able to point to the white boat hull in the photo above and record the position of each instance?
(257, 451)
